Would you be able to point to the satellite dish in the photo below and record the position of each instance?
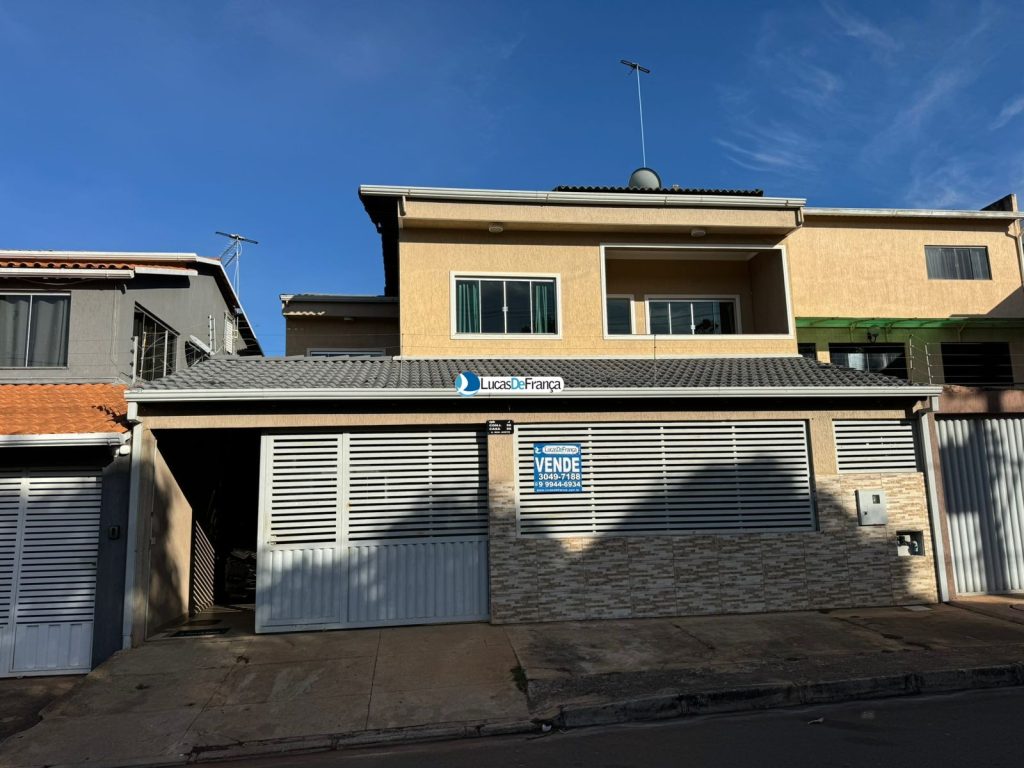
(644, 178)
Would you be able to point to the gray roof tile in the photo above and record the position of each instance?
(269, 373)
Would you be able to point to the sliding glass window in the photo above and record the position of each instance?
(34, 330)
(506, 305)
(688, 317)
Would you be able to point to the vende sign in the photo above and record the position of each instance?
(558, 467)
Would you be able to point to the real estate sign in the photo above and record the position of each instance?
(558, 467)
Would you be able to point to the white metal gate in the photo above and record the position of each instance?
(49, 542)
(370, 529)
(648, 478)
(983, 479)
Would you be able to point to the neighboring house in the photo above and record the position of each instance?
(330, 325)
(598, 410)
(76, 329)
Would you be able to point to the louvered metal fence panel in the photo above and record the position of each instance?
(416, 485)
(366, 529)
(10, 524)
(881, 445)
(672, 477)
(49, 545)
(983, 481)
(304, 506)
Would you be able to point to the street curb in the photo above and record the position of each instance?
(643, 708)
(322, 743)
(771, 696)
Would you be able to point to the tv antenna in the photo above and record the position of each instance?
(233, 255)
(638, 69)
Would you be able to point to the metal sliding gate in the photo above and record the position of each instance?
(983, 478)
(49, 543)
(370, 529)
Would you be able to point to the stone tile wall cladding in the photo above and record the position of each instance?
(841, 565)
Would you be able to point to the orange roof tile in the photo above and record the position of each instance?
(60, 409)
(46, 263)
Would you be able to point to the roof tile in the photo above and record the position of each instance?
(59, 409)
(269, 373)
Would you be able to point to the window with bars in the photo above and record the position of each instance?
(34, 330)
(156, 346)
(957, 263)
(194, 354)
(506, 305)
(692, 316)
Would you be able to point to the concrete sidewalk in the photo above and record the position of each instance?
(179, 700)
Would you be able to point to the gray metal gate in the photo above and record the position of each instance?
(983, 478)
(370, 529)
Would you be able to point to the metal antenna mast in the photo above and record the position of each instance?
(233, 255)
(638, 69)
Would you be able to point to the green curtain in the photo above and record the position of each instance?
(467, 306)
(544, 308)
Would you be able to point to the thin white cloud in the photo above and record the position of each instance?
(773, 148)
(859, 28)
(1009, 111)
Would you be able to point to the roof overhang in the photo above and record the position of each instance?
(579, 198)
(449, 393)
(112, 439)
(911, 213)
(910, 323)
(90, 273)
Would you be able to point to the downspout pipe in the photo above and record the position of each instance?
(926, 419)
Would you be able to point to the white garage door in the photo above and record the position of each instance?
(370, 529)
(49, 540)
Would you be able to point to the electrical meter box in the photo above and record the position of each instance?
(872, 508)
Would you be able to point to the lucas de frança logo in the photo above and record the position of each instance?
(468, 384)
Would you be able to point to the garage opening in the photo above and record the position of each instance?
(210, 534)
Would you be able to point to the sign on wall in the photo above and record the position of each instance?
(558, 467)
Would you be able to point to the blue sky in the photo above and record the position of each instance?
(147, 126)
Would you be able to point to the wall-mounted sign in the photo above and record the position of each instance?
(468, 384)
(501, 427)
(558, 467)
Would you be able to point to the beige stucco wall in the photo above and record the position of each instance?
(305, 333)
(842, 268)
(165, 528)
(429, 258)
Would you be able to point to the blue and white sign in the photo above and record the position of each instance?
(558, 468)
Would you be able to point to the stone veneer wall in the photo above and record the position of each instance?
(840, 565)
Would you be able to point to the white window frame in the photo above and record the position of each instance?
(721, 297)
(28, 331)
(556, 277)
(790, 335)
(632, 315)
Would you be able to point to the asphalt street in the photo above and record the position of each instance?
(971, 729)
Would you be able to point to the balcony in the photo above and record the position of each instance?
(683, 294)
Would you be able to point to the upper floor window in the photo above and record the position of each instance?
(889, 359)
(156, 347)
(691, 316)
(34, 330)
(506, 305)
(620, 315)
(807, 349)
(976, 363)
(957, 263)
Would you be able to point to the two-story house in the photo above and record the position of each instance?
(76, 330)
(598, 409)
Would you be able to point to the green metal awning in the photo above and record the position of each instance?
(910, 323)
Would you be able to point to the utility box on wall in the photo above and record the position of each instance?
(872, 507)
